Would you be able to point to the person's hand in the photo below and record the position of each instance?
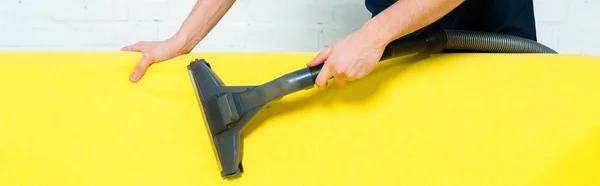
(348, 59)
(152, 52)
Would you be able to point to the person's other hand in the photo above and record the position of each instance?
(152, 52)
(348, 59)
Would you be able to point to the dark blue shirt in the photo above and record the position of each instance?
(513, 17)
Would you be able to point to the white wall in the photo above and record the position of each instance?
(251, 25)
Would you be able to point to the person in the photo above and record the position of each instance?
(355, 56)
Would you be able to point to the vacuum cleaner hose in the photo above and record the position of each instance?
(492, 42)
(437, 40)
(229, 109)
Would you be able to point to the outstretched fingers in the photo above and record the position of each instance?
(133, 47)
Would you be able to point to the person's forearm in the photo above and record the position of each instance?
(201, 20)
(405, 17)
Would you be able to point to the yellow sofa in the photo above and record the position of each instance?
(73, 118)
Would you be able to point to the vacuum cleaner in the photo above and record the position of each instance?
(228, 110)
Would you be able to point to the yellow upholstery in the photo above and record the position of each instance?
(73, 118)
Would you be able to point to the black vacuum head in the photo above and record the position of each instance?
(229, 109)
(225, 115)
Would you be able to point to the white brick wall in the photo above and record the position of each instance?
(251, 25)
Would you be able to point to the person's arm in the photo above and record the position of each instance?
(405, 17)
(200, 21)
(356, 55)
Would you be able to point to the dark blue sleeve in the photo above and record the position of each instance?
(513, 17)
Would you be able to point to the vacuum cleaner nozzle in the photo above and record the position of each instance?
(228, 109)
